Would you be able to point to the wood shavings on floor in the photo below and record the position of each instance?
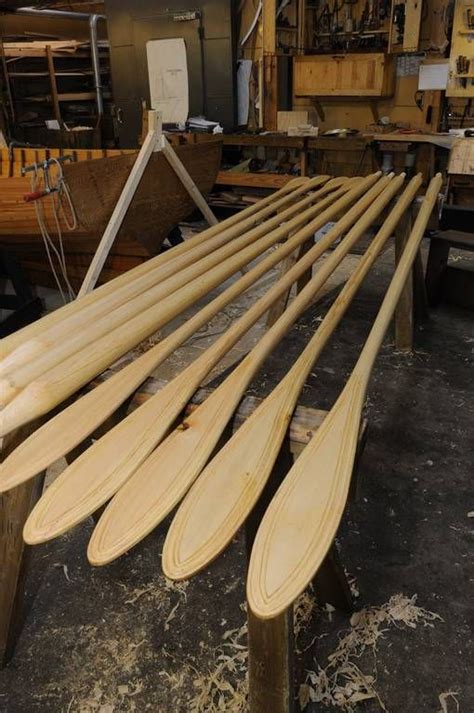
(444, 698)
(342, 683)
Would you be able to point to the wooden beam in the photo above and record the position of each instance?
(180, 170)
(150, 145)
(269, 27)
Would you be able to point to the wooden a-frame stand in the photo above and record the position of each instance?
(154, 141)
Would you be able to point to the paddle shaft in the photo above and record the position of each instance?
(69, 428)
(63, 380)
(243, 220)
(96, 475)
(318, 482)
(181, 456)
(55, 347)
(377, 333)
(63, 338)
(80, 419)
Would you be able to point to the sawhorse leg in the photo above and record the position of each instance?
(15, 506)
(404, 311)
(271, 642)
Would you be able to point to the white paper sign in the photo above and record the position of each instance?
(168, 77)
(433, 76)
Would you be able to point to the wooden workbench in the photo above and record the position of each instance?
(350, 156)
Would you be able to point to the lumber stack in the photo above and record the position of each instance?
(145, 469)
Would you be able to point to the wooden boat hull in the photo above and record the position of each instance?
(95, 180)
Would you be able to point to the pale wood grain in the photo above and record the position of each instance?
(68, 338)
(118, 214)
(164, 478)
(231, 484)
(179, 258)
(242, 221)
(302, 520)
(96, 476)
(63, 379)
(66, 430)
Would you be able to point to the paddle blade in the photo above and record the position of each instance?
(228, 488)
(302, 519)
(100, 471)
(164, 478)
(61, 434)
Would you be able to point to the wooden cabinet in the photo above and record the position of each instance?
(369, 75)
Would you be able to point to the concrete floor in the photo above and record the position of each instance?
(123, 639)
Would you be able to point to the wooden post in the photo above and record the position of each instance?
(301, 26)
(151, 144)
(15, 506)
(404, 310)
(270, 642)
(269, 88)
(271, 688)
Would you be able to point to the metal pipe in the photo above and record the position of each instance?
(93, 21)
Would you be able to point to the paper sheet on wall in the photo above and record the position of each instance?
(244, 71)
(433, 76)
(168, 77)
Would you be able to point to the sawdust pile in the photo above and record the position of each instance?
(341, 683)
(225, 688)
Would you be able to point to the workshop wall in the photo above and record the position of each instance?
(406, 107)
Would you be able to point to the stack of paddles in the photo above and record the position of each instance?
(142, 467)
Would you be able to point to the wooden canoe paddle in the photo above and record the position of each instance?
(301, 522)
(58, 341)
(246, 219)
(230, 485)
(101, 470)
(87, 327)
(62, 380)
(156, 487)
(70, 427)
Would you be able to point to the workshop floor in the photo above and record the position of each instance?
(123, 639)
